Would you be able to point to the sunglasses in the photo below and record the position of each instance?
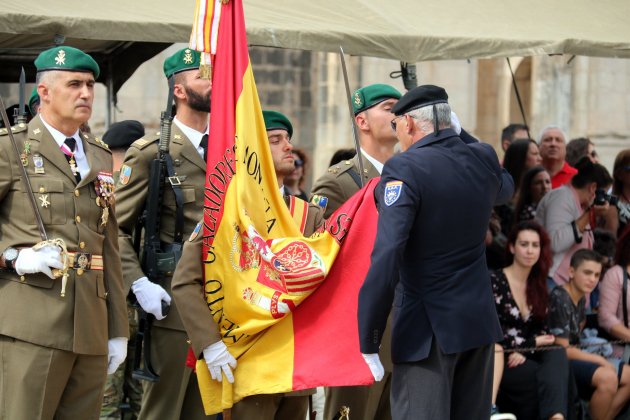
(298, 162)
(393, 122)
(626, 168)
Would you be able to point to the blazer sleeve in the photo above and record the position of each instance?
(187, 287)
(395, 221)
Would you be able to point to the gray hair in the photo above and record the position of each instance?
(424, 116)
(48, 77)
(549, 127)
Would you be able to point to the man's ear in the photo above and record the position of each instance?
(362, 121)
(571, 273)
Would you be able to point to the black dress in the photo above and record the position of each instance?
(537, 388)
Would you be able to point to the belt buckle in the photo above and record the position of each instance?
(82, 260)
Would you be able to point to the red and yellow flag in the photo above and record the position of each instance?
(284, 310)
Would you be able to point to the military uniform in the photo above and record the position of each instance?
(167, 398)
(203, 331)
(337, 185)
(44, 337)
(122, 395)
(341, 182)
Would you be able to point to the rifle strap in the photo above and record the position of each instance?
(179, 200)
(355, 177)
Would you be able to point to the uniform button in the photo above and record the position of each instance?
(79, 271)
(106, 294)
(22, 279)
(42, 190)
(78, 219)
(82, 245)
(77, 193)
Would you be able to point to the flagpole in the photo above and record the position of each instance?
(357, 146)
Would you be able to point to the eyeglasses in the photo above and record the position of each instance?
(393, 122)
(298, 163)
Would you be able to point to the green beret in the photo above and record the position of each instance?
(66, 58)
(182, 60)
(368, 96)
(33, 100)
(419, 97)
(277, 121)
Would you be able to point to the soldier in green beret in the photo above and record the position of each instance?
(33, 102)
(57, 345)
(372, 114)
(203, 330)
(176, 394)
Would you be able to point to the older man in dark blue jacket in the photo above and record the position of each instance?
(434, 203)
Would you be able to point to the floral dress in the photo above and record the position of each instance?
(517, 331)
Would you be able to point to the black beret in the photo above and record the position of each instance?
(419, 97)
(123, 133)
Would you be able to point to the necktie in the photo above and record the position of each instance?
(71, 144)
(204, 146)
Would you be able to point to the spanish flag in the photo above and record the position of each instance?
(285, 311)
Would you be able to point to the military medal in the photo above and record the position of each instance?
(104, 187)
(25, 153)
(73, 165)
(38, 163)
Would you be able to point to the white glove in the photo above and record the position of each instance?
(374, 363)
(30, 261)
(117, 351)
(218, 359)
(150, 296)
(455, 124)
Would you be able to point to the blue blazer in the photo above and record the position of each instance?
(434, 202)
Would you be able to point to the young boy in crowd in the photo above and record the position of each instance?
(605, 385)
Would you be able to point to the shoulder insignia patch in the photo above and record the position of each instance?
(320, 201)
(195, 232)
(125, 175)
(393, 190)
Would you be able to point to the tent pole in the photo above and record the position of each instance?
(518, 96)
(110, 94)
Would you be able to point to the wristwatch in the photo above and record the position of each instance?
(10, 255)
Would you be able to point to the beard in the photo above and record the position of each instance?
(198, 102)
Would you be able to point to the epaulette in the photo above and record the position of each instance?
(96, 140)
(340, 168)
(144, 142)
(14, 129)
(101, 143)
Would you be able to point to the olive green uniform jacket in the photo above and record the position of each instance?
(337, 185)
(132, 194)
(31, 308)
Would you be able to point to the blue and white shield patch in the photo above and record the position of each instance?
(393, 190)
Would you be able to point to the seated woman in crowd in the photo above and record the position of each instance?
(604, 384)
(614, 295)
(568, 214)
(535, 184)
(521, 299)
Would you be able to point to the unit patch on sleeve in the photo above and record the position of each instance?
(393, 190)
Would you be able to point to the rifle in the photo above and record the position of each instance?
(147, 232)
